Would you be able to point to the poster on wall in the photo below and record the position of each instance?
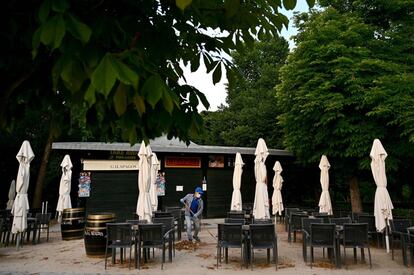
(160, 182)
(215, 161)
(84, 185)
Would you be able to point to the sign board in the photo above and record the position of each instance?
(182, 162)
(109, 165)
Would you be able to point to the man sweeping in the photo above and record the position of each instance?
(193, 212)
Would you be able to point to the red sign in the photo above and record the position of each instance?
(182, 162)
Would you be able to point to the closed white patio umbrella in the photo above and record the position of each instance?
(325, 205)
(382, 203)
(155, 167)
(261, 197)
(277, 200)
(12, 194)
(236, 198)
(65, 186)
(144, 210)
(21, 202)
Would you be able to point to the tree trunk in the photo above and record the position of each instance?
(355, 195)
(37, 199)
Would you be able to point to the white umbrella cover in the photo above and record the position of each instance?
(144, 209)
(382, 203)
(236, 198)
(277, 200)
(21, 202)
(155, 167)
(65, 185)
(325, 205)
(12, 194)
(261, 197)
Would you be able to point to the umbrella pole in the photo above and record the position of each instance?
(18, 241)
(387, 240)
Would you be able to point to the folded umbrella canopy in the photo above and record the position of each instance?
(21, 202)
(12, 194)
(325, 205)
(382, 203)
(277, 200)
(155, 167)
(144, 210)
(65, 186)
(261, 197)
(236, 198)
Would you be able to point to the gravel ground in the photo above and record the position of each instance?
(68, 257)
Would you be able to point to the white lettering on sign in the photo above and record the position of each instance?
(93, 233)
(107, 165)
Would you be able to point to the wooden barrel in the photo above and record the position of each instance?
(73, 223)
(95, 233)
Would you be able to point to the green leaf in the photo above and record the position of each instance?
(153, 89)
(231, 6)
(139, 104)
(132, 137)
(78, 29)
(289, 4)
(311, 3)
(73, 74)
(167, 101)
(104, 76)
(182, 4)
(36, 42)
(44, 11)
(90, 95)
(195, 63)
(203, 99)
(125, 74)
(53, 32)
(60, 5)
(217, 74)
(120, 99)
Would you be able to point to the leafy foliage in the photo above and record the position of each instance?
(116, 64)
(350, 80)
(251, 111)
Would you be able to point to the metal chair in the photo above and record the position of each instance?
(289, 210)
(236, 214)
(262, 221)
(178, 218)
(355, 216)
(306, 224)
(295, 224)
(355, 235)
(323, 216)
(237, 221)
(119, 235)
(398, 229)
(169, 233)
(408, 244)
(229, 236)
(151, 236)
(161, 214)
(263, 236)
(340, 221)
(42, 222)
(322, 235)
(372, 230)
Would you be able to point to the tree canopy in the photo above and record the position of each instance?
(116, 65)
(251, 112)
(349, 81)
